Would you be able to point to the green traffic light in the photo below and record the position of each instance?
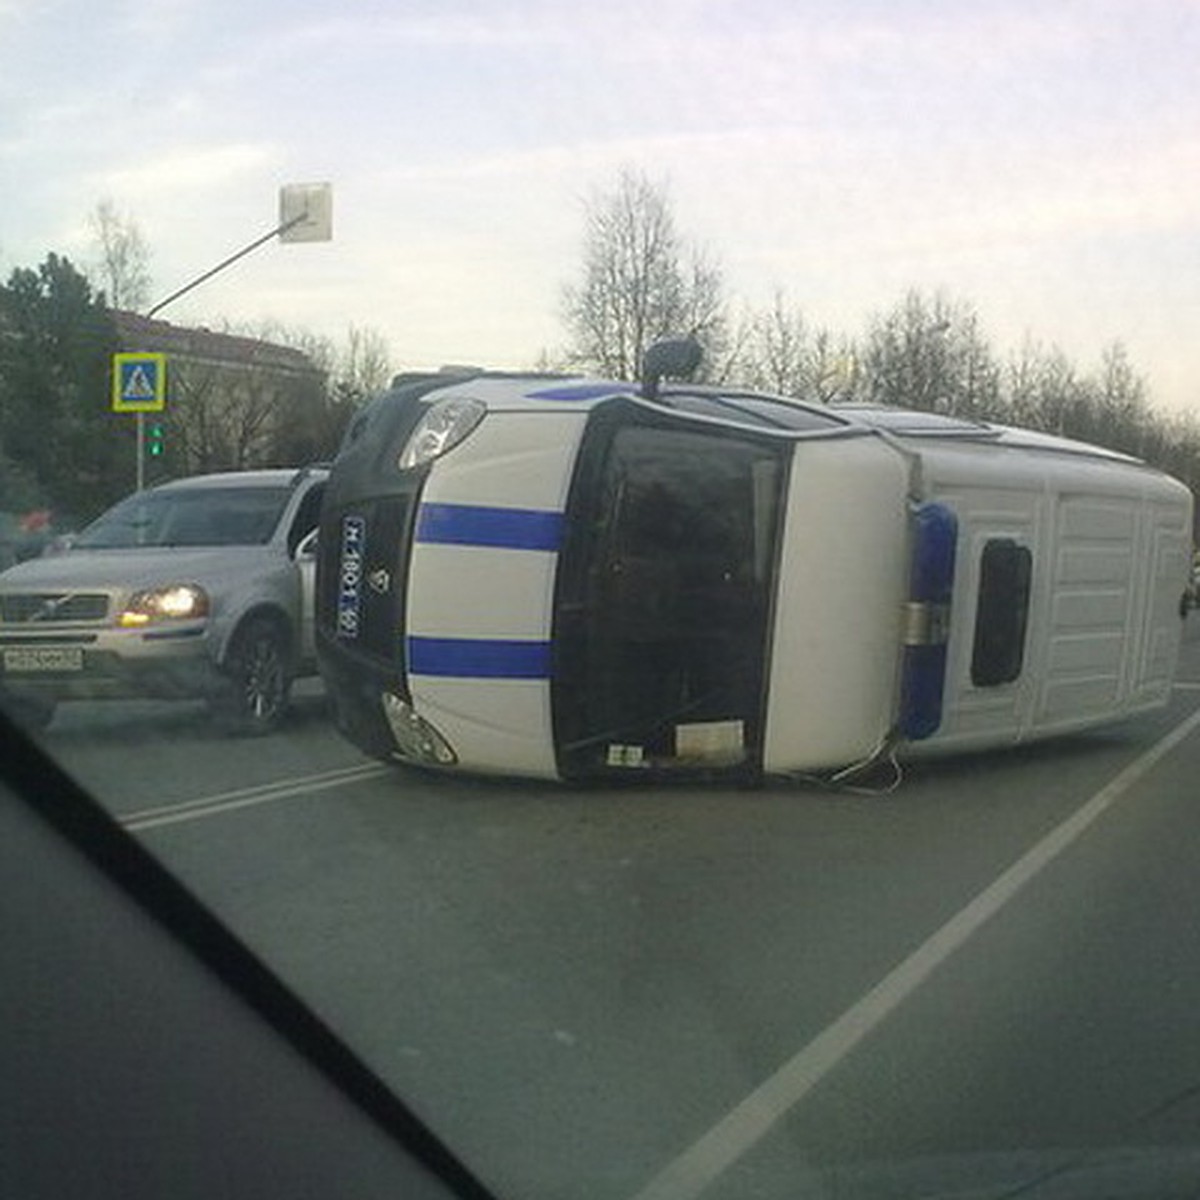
(154, 440)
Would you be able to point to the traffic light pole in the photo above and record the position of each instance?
(141, 447)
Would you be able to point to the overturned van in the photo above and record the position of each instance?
(580, 579)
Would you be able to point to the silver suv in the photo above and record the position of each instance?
(201, 588)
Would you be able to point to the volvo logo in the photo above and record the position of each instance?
(379, 580)
(50, 607)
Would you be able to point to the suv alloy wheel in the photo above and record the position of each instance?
(258, 678)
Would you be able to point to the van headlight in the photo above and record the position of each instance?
(178, 602)
(416, 738)
(446, 424)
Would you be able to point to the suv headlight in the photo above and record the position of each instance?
(178, 602)
(446, 424)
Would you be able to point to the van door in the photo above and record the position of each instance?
(664, 593)
(1002, 604)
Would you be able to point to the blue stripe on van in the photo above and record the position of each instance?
(580, 391)
(478, 658)
(479, 525)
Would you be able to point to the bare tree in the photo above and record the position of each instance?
(124, 257)
(639, 282)
(225, 418)
(1023, 381)
(279, 421)
(929, 354)
(835, 368)
(775, 350)
(779, 352)
(363, 367)
(1121, 401)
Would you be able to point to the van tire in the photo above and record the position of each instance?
(252, 695)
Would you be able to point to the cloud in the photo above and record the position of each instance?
(15, 9)
(821, 37)
(191, 169)
(157, 19)
(433, 29)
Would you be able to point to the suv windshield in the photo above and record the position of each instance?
(227, 516)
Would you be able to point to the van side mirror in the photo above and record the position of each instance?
(674, 357)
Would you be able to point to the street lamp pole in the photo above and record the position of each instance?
(306, 215)
(228, 262)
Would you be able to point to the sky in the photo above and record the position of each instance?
(1037, 160)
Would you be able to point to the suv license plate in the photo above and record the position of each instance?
(56, 658)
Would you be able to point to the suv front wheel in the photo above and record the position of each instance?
(257, 678)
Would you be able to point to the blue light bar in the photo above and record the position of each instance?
(927, 630)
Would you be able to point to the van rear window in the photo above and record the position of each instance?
(1002, 615)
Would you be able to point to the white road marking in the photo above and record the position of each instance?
(741, 1128)
(1180, 686)
(282, 789)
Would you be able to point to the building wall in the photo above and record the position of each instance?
(232, 402)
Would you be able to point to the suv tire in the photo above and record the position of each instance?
(252, 696)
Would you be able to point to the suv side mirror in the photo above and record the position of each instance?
(306, 550)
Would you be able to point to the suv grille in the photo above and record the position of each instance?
(45, 607)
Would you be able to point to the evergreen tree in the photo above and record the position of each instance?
(56, 343)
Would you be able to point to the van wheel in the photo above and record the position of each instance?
(253, 695)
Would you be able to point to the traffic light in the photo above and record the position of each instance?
(156, 433)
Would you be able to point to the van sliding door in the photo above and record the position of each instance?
(663, 599)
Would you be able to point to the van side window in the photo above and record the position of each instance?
(1003, 613)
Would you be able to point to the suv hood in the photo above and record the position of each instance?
(133, 569)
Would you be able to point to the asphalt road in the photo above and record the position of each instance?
(984, 984)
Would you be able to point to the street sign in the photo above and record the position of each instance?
(306, 212)
(139, 383)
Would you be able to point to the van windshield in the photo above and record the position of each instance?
(663, 607)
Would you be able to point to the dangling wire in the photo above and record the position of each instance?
(844, 779)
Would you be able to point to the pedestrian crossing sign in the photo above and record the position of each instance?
(139, 383)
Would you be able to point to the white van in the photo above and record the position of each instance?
(578, 579)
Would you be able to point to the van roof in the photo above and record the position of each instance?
(914, 423)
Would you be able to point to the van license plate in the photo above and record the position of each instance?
(38, 658)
